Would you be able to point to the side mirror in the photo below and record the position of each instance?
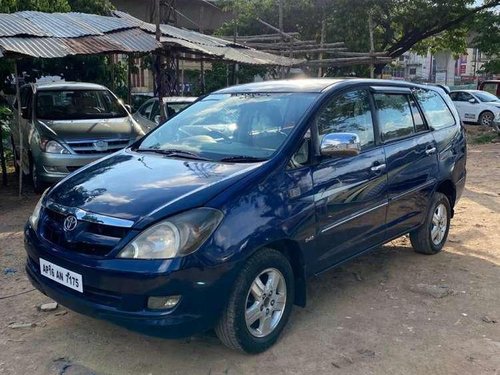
(340, 144)
(128, 108)
(157, 119)
(472, 101)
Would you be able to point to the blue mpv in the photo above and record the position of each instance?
(216, 219)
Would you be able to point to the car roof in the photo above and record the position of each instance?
(179, 99)
(309, 85)
(469, 91)
(69, 86)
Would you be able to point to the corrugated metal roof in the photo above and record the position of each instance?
(12, 25)
(210, 45)
(59, 25)
(49, 35)
(36, 47)
(135, 40)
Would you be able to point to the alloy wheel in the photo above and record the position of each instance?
(265, 302)
(487, 119)
(439, 224)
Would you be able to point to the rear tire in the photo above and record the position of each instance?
(431, 236)
(486, 118)
(256, 313)
(38, 185)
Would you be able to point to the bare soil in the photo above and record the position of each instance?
(390, 312)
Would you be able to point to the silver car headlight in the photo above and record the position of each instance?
(35, 216)
(54, 147)
(177, 236)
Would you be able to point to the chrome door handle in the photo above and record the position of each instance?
(378, 168)
(430, 151)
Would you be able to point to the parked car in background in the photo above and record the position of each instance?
(217, 217)
(492, 86)
(67, 125)
(148, 115)
(477, 106)
(138, 99)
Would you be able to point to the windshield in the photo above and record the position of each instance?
(77, 105)
(248, 126)
(486, 96)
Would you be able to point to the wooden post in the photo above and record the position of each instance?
(2, 158)
(159, 74)
(372, 46)
(130, 61)
(280, 26)
(19, 124)
(322, 43)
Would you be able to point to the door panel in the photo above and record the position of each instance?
(350, 193)
(412, 169)
(351, 202)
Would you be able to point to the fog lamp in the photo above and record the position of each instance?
(163, 303)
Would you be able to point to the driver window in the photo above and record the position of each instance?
(348, 113)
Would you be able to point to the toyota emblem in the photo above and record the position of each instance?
(70, 223)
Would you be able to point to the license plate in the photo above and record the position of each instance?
(61, 275)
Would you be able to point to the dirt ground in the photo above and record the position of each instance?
(390, 312)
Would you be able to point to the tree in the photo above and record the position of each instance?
(486, 37)
(399, 24)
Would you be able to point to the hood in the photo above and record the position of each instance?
(73, 130)
(133, 186)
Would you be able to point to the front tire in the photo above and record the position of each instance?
(486, 118)
(260, 303)
(38, 185)
(431, 236)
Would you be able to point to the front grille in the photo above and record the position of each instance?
(89, 147)
(87, 238)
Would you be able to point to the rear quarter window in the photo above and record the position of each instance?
(435, 109)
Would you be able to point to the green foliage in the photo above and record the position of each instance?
(103, 7)
(398, 24)
(9, 6)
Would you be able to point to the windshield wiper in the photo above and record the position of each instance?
(243, 159)
(174, 153)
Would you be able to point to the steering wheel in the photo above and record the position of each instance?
(219, 135)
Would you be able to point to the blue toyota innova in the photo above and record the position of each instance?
(217, 218)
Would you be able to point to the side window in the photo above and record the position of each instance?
(454, 96)
(464, 97)
(417, 117)
(435, 109)
(155, 111)
(394, 115)
(348, 113)
(145, 110)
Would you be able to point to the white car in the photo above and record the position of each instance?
(477, 106)
(148, 115)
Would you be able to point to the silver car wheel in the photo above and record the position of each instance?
(265, 303)
(439, 224)
(486, 119)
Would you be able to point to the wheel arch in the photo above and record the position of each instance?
(447, 187)
(292, 251)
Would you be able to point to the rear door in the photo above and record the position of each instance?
(411, 154)
(350, 192)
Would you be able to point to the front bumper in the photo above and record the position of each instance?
(117, 290)
(54, 167)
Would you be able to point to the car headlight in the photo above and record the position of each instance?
(54, 147)
(35, 216)
(177, 236)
